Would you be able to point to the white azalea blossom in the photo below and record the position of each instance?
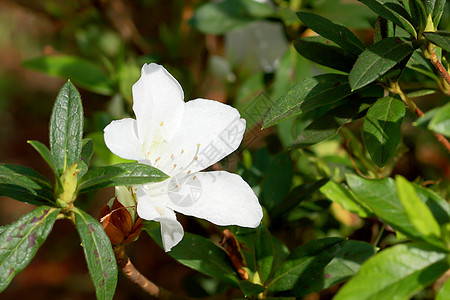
(181, 139)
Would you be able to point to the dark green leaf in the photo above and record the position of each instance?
(440, 38)
(339, 34)
(224, 16)
(417, 13)
(277, 181)
(264, 252)
(436, 9)
(382, 128)
(98, 253)
(200, 254)
(66, 127)
(392, 10)
(343, 266)
(45, 154)
(26, 185)
(438, 206)
(304, 261)
(396, 273)
(339, 194)
(328, 125)
(82, 72)
(419, 63)
(307, 95)
(120, 174)
(20, 241)
(417, 211)
(87, 149)
(377, 60)
(325, 53)
(249, 288)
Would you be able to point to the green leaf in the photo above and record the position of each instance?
(440, 38)
(392, 10)
(120, 174)
(396, 273)
(382, 128)
(249, 288)
(20, 241)
(339, 34)
(416, 211)
(304, 261)
(416, 13)
(343, 266)
(200, 254)
(82, 72)
(98, 253)
(264, 253)
(377, 60)
(66, 127)
(438, 206)
(224, 16)
(436, 9)
(444, 291)
(26, 185)
(339, 194)
(87, 149)
(383, 29)
(277, 181)
(440, 123)
(329, 124)
(307, 95)
(419, 63)
(45, 154)
(325, 53)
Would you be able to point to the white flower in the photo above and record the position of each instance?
(182, 139)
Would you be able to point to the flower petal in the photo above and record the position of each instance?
(220, 197)
(152, 208)
(158, 105)
(210, 131)
(121, 138)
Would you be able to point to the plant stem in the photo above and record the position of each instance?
(395, 88)
(379, 235)
(439, 66)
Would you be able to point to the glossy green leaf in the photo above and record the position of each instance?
(440, 38)
(222, 17)
(416, 13)
(87, 150)
(98, 253)
(20, 241)
(277, 181)
(339, 194)
(377, 60)
(26, 185)
(382, 128)
(325, 53)
(436, 9)
(343, 266)
(329, 124)
(82, 72)
(66, 127)
(264, 253)
(438, 206)
(339, 34)
(394, 11)
(119, 174)
(444, 291)
(45, 154)
(396, 273)
(307, 95)
(416, 211)
(200, 254)
(440, 123)
(304, 261)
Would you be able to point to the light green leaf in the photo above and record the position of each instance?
(444, 291)
(392, 10)
(26, 185)
(307, 95)
(20, 241)
(416, 211)
(66, 127)
(119, 174)
(396, 273)
(82, 72)
(377, 60)
(98, 253)
(45, 154)
(382, 128)
(200, 254)
(339, 34)
(440, 122)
